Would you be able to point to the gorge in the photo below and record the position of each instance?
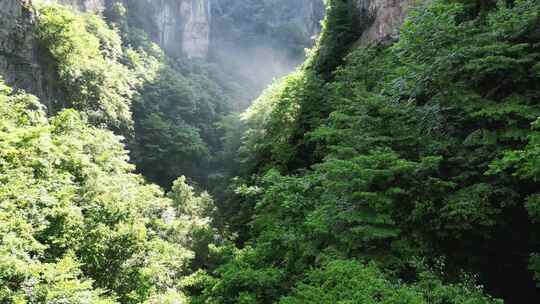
(270, 151)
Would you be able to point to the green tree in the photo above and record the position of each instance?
(78, 225)
(85, 55)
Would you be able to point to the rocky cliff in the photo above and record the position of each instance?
(180, 27)
(19, 54)
(252, 39)
(386, 17)
(183, 27)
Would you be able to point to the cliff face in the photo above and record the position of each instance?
(183, 27)
(19, 59)
(245, 22)
(252, 39)
(387, 16)
(196, 27)
(180, 27)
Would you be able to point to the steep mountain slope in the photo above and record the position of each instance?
(398, 164)
(261, 40)
(19, 54)
(408, 154)
(165, 99)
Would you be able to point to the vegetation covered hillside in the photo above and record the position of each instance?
(165, 108)
(78, 226)
(417, 155)
(396, 172)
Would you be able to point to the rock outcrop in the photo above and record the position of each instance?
(387, 16)
(19, 54)
(180, 27)
(196, 27)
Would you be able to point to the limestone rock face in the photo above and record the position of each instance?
(387, 16)
(196, 27)
(180, 27)
(19, 57)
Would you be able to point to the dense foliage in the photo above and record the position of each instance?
(177, 110)
(176, 117)
(77, 225)
(85, 55)
(351, 282)
(426, 148)
(399, 172)
(166, 108)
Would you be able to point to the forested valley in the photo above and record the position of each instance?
(270, 151)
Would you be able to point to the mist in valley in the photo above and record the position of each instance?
(254, 69)
(255, 42)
